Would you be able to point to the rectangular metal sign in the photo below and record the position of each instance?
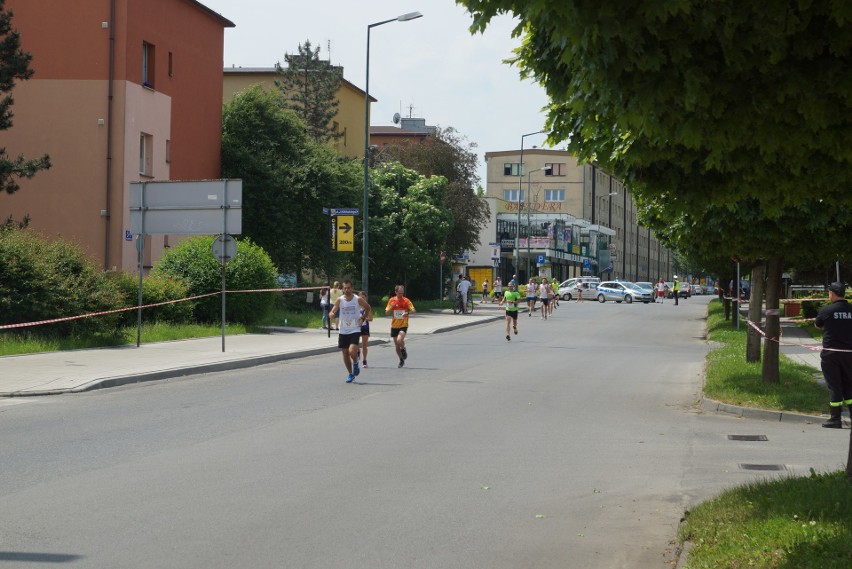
(345, 240)
(179, 207)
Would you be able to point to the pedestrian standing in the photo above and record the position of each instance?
(347, 309)
(676, 289)
(484, 291)
(511, 299)
(400, 307)
(334, 294)
(835, 320)
(498, 289)
(325, 304)
(365, 330)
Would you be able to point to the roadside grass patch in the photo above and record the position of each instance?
(17, 343)
(789, 522)
(730, 379)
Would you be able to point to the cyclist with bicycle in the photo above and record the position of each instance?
(463, 290)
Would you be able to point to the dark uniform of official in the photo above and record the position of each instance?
(836, 321)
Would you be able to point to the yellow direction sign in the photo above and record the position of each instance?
(343, 228)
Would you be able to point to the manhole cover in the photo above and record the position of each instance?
(763, 467)
(747, 438)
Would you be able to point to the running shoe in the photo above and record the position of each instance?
(516, 330)
(364, 363)
(350, 379)
(356, 369)
(401, 363)
(404, 353)
(508, 339)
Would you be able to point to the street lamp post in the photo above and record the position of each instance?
(520, 191)
(365, 275)
(529, 190)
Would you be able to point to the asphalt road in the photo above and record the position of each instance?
(577, 444)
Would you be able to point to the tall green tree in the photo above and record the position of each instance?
(755, 95)
(449, 154)
(408, 225)
(309, 86)
(14, 66)
(287, 181)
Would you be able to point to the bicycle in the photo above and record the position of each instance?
(463, 307)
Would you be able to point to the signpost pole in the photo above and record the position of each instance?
(140, 247)
(224, 239)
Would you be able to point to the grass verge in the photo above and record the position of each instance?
(730, 379)
(16, 343)
(31, 342)
(786, 523)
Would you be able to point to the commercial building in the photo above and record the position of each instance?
(554, 217)
(122, 91)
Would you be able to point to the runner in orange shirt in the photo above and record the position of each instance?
(401, 307)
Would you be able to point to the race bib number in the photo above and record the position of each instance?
(399, 314)
(349, 324)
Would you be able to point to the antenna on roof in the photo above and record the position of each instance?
(396, 118)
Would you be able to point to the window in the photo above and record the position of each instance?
(168, 152)
(554, 195)
(171, 69)
(512, 196)
(146, 148)
(147, 65)
(556, 169)
(512, 169)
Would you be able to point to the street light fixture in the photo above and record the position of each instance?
(529, 190)
(520, 191)
(365, 276)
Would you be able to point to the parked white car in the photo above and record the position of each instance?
(569, 289)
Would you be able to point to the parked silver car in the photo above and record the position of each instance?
(622, 291)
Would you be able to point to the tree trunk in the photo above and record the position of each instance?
(755, 312)
(849, 458)
(773, 320)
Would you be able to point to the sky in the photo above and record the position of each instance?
(431, 67)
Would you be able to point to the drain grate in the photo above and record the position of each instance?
(747, 438)
(763, 467)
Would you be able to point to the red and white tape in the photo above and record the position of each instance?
(91, 314)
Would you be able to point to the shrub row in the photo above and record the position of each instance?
(41, 280)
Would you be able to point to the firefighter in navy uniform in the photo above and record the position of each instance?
(835, 320)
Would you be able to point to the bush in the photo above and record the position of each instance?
(155, 289)
(41, 280)
(192, 262)
(810, 308)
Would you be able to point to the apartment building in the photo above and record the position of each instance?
(350, 116)
(123, 90)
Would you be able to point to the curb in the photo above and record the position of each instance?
(252, 361)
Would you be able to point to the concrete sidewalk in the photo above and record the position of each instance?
(81, 370)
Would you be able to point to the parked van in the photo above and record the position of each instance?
(568, 289)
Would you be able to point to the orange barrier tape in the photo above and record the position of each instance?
(91, 314)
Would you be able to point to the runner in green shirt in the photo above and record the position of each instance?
(511, 299)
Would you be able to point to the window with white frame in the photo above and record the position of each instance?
(554, 195)
(146, 149)
(147, 65)
(512, 195)
(554, 169)
(512, 169)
